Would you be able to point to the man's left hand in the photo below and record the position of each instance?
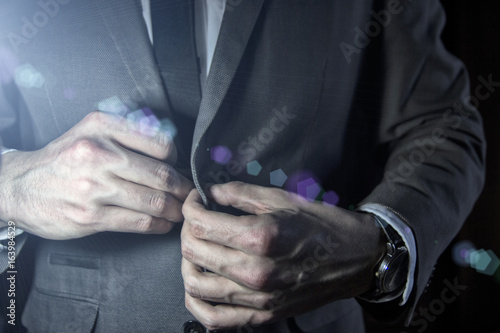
(286, 258)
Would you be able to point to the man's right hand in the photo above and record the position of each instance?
(104, 174)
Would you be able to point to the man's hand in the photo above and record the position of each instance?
(288, 257)
(102, 175)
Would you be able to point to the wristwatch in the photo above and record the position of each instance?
(392, 270)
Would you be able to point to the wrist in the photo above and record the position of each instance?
(7, 174)
(391, 271)
(375, 254)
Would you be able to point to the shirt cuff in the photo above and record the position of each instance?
(406, 234)
(4, 150)
(4, 235)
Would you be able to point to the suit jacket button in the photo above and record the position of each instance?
(193, 326)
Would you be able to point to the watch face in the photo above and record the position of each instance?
(396, 273)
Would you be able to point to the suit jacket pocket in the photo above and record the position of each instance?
(72, 274)
(50, 313)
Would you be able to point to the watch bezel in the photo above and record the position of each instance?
(392, 267)
(390, 271)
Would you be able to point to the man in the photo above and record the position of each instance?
(353, 104)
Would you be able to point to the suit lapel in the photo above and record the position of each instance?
(130, 38)
(125, 24)
(237, 26)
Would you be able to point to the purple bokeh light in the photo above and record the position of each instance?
(221, 154)
(308, 189)
(331, 198)
(461, 253)
(69, 93)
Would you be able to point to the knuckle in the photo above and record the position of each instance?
(262, 240)
(158, 203)
(262, 243)
(257, 279)
(164, 144)
(167, 175)
(192, 287)
(86, 187)
(196, 229)
(187, 251)
(145, 224)
(94, 117)
(217, 264)
(84, 150)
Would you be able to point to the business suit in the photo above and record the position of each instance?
(345, 121)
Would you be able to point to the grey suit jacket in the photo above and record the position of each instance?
(376, 115)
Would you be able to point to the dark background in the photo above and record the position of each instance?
(473, 34)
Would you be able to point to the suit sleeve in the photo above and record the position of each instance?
(435, 171)
(7, 113)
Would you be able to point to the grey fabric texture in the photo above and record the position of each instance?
(282, 92)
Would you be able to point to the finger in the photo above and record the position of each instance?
(158, 144)
(211, 287)
(250, 198)
(144, 200)
(235, 265)
(152, 173)
(223, 316)
(250, 234)
(118, 219)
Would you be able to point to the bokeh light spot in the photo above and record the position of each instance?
(308, 189)
(461, 253)
(221, 154)
(69, 93)
(484, 262)
(278, 178)
(254, 168)
(113, 105)
(145, 120)
(168, 126)
(331, 198)
(28, 77)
